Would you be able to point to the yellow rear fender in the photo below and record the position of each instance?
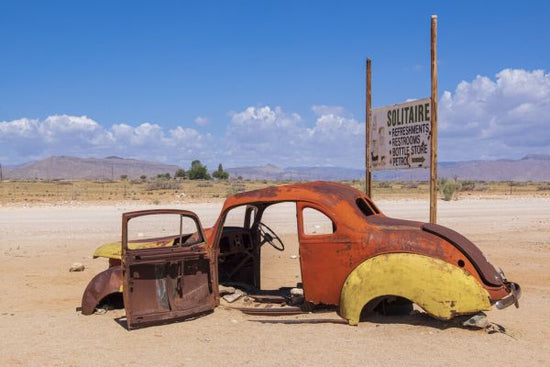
(441, 289)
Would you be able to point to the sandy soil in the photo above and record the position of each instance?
(39, 324)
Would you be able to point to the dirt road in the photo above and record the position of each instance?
(39, 324)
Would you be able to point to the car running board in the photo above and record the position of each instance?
(270, 311)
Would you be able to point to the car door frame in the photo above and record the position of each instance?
(181, 260)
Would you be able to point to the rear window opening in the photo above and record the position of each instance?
(366, 208)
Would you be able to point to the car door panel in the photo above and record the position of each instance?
(323, 260)
(165, 284)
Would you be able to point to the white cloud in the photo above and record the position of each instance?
(265, 118)
(259, 135)
(202, 121)
(505, 117)
(27, 139)
(333, 124)
(320, 110)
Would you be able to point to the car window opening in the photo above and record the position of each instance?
(163, 230)
(317, 223)
(365, 208)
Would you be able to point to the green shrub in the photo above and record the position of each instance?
(410, 185)
(449, 188)
(220, 174)
(468, 185)
(235, 189)
(162, 184)
(384, 184)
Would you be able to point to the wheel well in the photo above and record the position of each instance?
(388, 306)
(101, 286)
(383, 303)
(441, 289)
(112, 301)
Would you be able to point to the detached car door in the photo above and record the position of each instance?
(169, 270)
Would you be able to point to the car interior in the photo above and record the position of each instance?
(240, 246)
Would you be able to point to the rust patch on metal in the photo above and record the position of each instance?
(486, 270)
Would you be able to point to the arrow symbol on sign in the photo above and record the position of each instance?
(418, 159)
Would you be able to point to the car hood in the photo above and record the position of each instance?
(113, 250)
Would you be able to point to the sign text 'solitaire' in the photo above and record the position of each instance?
(400, 135)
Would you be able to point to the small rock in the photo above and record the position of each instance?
(226, 290)
(233, 297)
(293, 256)
(296, 292)
(479, 321)
(77, 267)
(296, 296)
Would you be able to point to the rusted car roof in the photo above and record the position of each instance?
(339, 197)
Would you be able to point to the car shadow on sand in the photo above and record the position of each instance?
(415, 318)
(419, 318)
(301, 321)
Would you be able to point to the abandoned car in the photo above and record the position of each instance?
(358, 261)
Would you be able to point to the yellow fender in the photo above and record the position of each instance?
(441, 289)
(113, 250)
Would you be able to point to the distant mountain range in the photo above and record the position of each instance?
(74, 168)
(271, 172)
(533, 167)
(530, 168)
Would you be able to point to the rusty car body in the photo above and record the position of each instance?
(365, 260)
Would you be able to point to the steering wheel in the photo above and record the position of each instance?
(268, 236)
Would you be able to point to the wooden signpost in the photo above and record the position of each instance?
(433, 160)
(404, 135)
(368, 176)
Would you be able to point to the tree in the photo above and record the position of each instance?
(123, 177)
(180, 173)
(220, 173)
(198, 171)
(143, 177)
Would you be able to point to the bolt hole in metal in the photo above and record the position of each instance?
(461, 263)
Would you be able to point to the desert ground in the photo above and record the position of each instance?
(39, 324)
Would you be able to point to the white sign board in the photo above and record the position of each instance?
(400, 136)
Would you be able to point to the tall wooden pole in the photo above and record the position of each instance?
(368, 178)
(433, 120)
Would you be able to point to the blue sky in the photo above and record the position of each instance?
(250, 82)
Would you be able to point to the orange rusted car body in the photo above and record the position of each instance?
(360, 232)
